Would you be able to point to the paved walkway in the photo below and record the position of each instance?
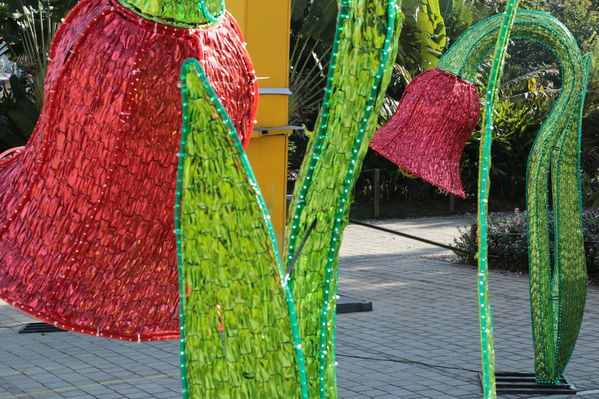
(421, 340)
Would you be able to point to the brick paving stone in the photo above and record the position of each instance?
(420, 341)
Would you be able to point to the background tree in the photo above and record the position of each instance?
(532, 83)
(28, 28)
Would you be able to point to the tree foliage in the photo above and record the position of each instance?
(423, 35)
(28, 28)
(315, 19)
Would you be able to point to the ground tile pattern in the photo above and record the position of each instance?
(423, 330)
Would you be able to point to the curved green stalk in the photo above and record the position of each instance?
(360, 70)
(183, 13)
(486, 321)
(557, 293)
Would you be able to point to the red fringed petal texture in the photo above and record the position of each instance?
(429, 130)
(86, 209)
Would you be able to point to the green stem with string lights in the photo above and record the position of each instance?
(213, 194)
(557, 293)
(363, 54)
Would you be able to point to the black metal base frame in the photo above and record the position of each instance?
(346, 304)
(39, 328)
(525, 383)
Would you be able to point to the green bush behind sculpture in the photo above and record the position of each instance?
(508, 247)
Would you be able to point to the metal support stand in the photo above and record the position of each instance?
(39, 328)
(346, 304)
(525, 383)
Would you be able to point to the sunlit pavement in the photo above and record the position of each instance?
(420, 341)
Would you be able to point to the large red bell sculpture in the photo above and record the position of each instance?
(427, 134)
(86, 208)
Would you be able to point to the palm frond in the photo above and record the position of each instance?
(309, 63)
(37, 29)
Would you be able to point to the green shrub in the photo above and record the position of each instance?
(508, 245)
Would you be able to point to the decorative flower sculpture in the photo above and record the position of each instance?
(277, 315)
(416, 135)
(428, 133)
(87, 242)
(86, 225)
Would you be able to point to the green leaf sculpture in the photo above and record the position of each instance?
(238, 327)
(240, 334)
(364, 49)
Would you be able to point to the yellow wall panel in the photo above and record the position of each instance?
(265, 25)
(239, 10)
(272, 110)
(268, 156)
(268, 41)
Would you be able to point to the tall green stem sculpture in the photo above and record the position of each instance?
(241, 335)
(361, 66)
(557, 291)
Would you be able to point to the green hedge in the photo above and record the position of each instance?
(508, 245)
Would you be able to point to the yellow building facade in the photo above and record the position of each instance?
(266, 27)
